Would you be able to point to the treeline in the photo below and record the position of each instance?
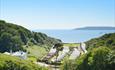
(13, 63)
(107, 40)
(14, 37)
(100, 56)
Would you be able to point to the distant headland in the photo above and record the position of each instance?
(96, 28)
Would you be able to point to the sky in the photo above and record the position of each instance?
(58, 14)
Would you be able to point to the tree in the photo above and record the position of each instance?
(16, 43)
(5, 42)
(9, 42)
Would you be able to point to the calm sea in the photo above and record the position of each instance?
(74, 36)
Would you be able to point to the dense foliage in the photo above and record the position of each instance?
(101, 58)
(105, 40)
(14, 37)
(14, 63)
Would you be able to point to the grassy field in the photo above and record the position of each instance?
(36, 52)
(72, 44)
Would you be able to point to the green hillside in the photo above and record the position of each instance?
(15, 37)
(107, 40)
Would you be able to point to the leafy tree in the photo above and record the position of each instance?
(8, 42)
(5, 42)
(16, 43)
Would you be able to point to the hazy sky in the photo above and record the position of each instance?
(58, 14)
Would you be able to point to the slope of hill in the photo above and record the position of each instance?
(96, 28)
(14, 37)
(105, 40)
(100, 55)
(14, 63)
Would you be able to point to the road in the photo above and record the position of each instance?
(51, 67)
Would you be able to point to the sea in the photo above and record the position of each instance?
(75, 36)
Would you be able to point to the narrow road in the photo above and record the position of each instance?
(51, 67)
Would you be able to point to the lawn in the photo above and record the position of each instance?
(72, 44)
(36, 52)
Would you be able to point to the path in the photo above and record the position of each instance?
(52, 67)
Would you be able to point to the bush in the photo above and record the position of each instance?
(107, 40)
(101, 58)
(14, 63)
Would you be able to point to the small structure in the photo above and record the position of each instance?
(20, 54)
(83, 47)
(75, 54)
(63, 54)
(51, 53)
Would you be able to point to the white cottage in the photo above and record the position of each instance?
(21, 54)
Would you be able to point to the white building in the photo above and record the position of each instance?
(83, 47)
(20, 54)
(75, 54)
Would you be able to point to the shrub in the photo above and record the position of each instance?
(101, 58)
(14, 63)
